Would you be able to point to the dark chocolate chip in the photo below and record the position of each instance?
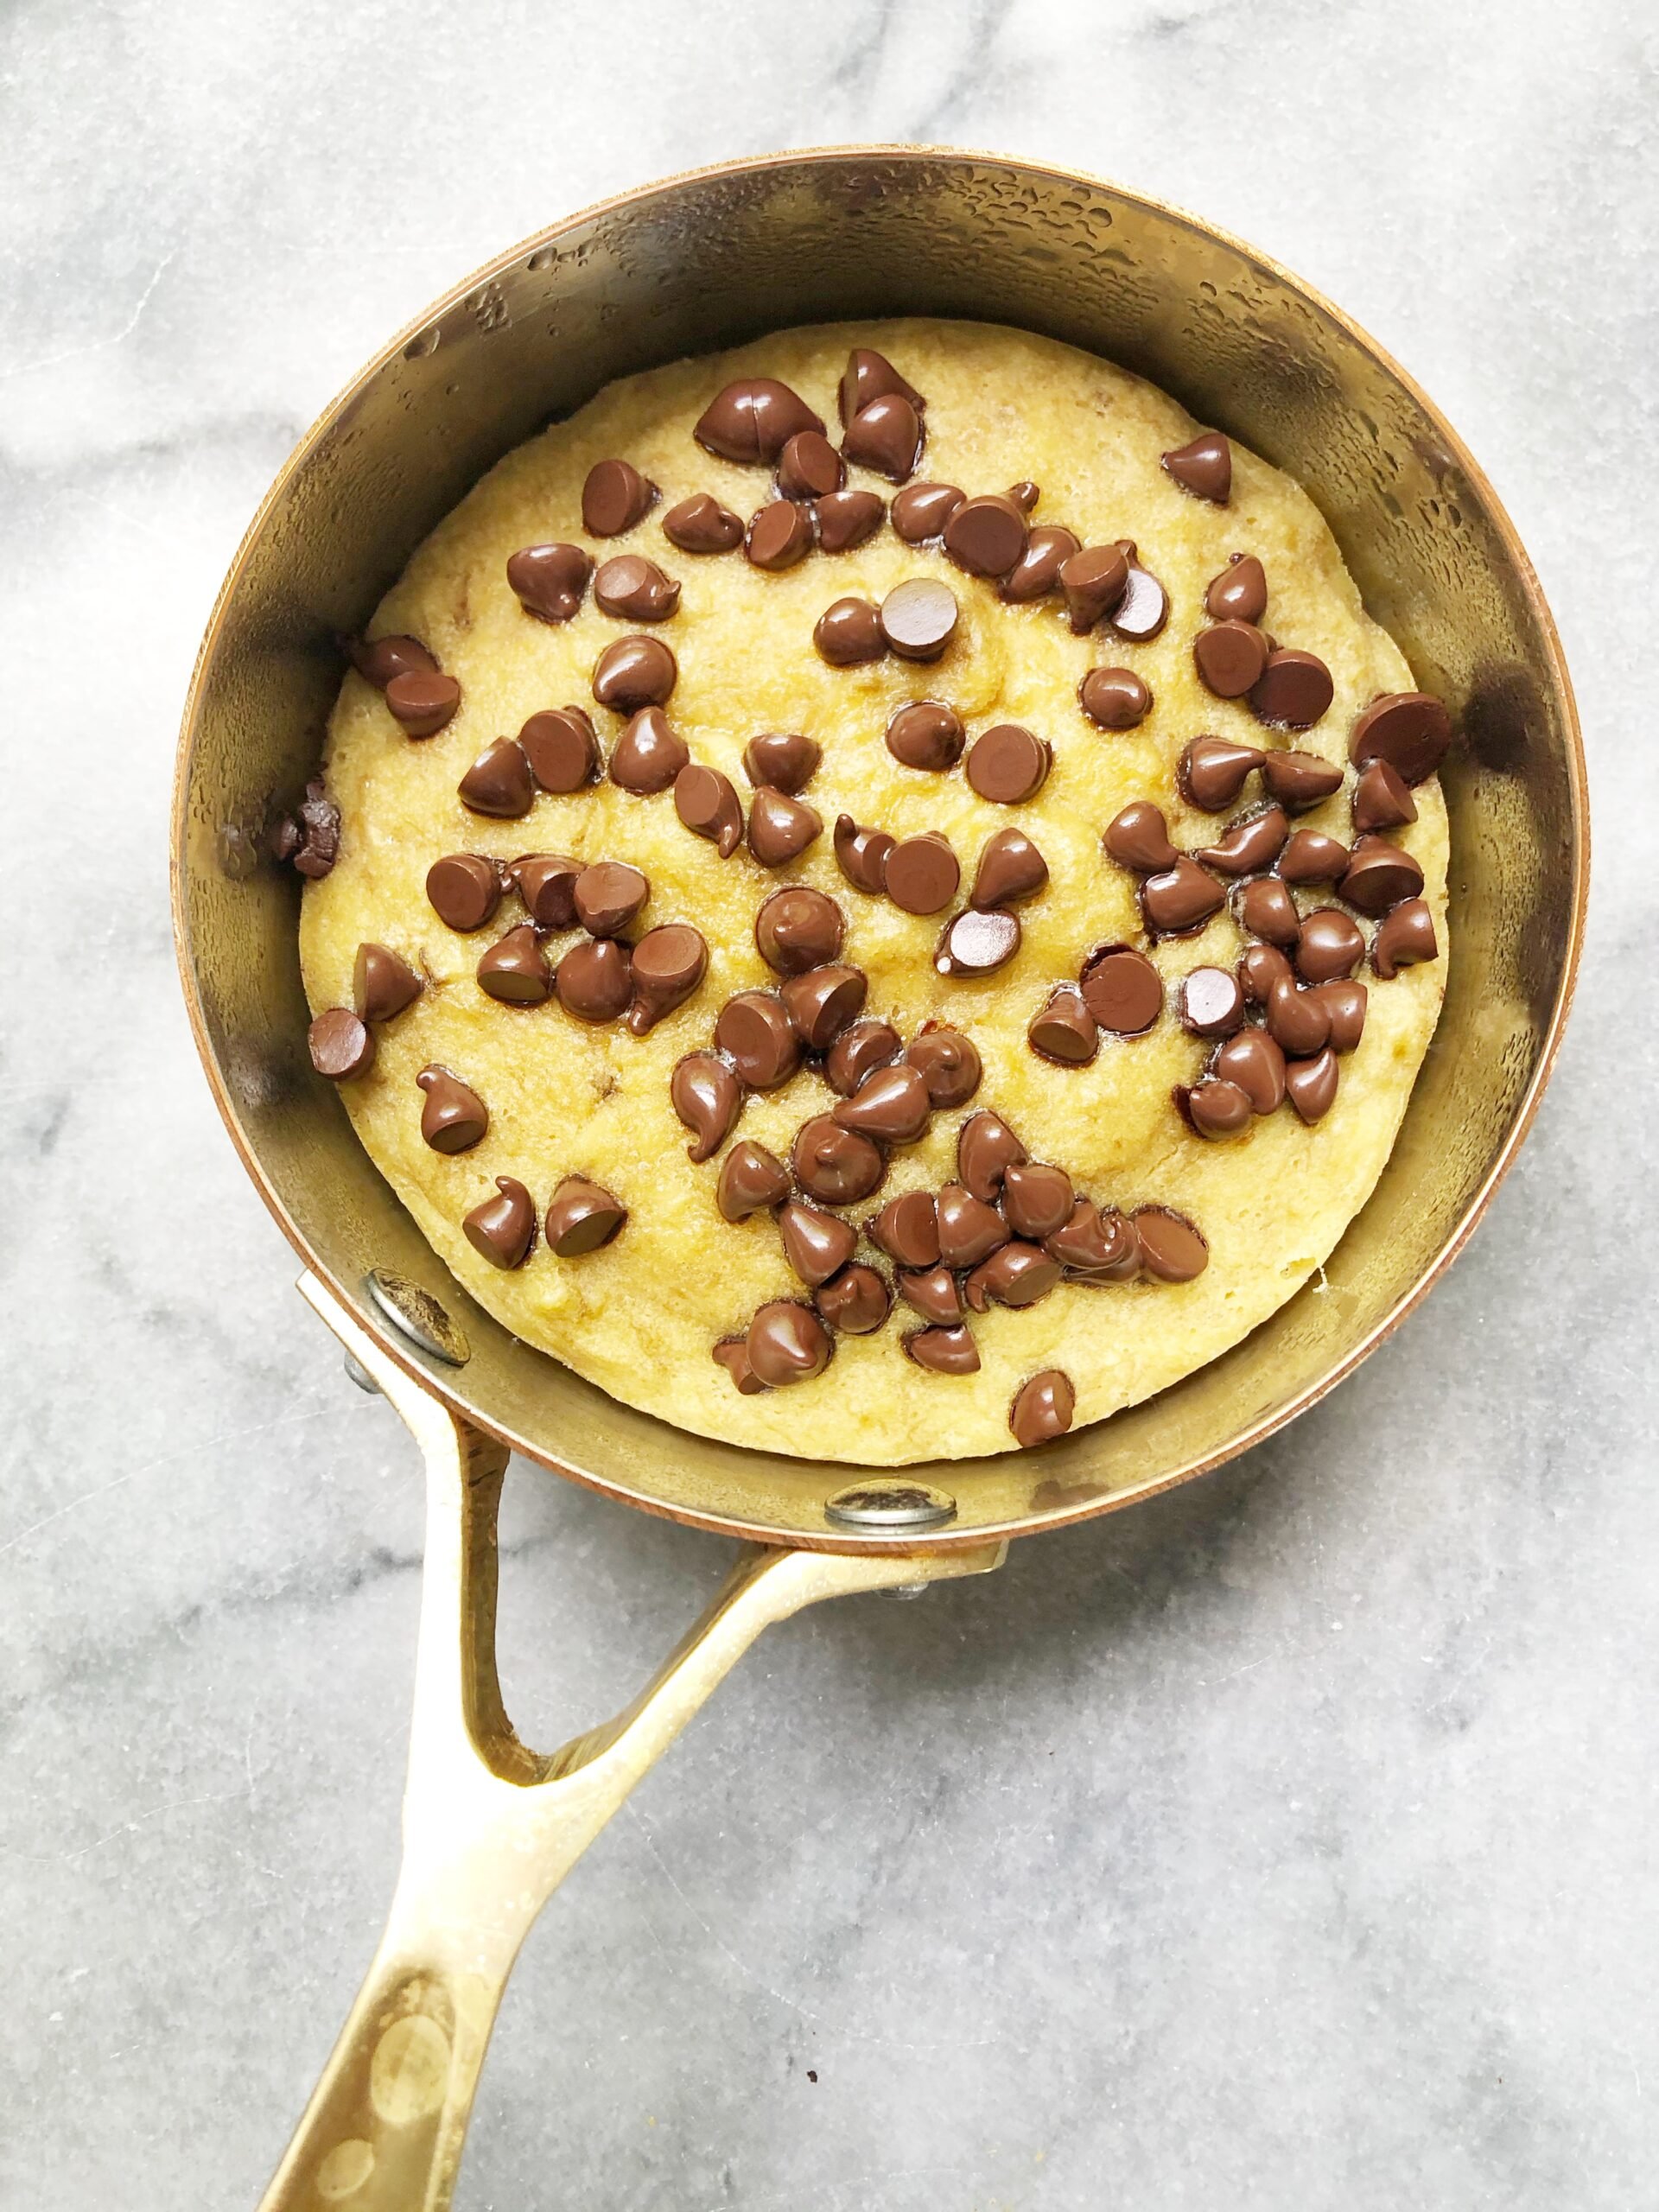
(1239, 594)
(1007, 764)
(1093, 581)
(1204, 467)
(757, 1038)
(700, 525)
(649, 755)
(918, 618)
(1405, 938)
(970, 1230)
(379, 660)
(862, 855)
(985, 536)
(780, 535)
(1037, 1199)
(1065, 1031)
(949, 1064)
(798, 928)
(707, 1097)
(1212, 1004)
(1256, 1064)
(614, 496)
(1217, 1108)
(886, 436)
(933, 1292)
(1266, 910)
(667, 963)
(1345, 1003)
(1114, 698)
(1299, 1021)
(499, 783)
(464, 889)
(342, 1045)
(382, 983)
(1312, 857)
(786, 1344)
(1143, 610)
(809, 468)
(513, 970)
(454, 1117)
(891, 1105)
(1042, 1408)
(835, 1165)
(1409, 730)
(1250, 845)
(1172, 1249)
(1138, 838)
(866, 1046)
(1037, 572)
(1381, 798)
(562, 749)
(1017, 1276)
(634, 672)
(1260, 967)
(850, 632)
(855, 1302)
(707, 802)
(847, 519)
(922, 873)
(920, 512)
(907, 1229)
(1229, 657)
(973, 944)
(423, 703)
(1095, 1246)
(583, 1215)
(823, 1002)
(1293, 691)
(944, 1351)
(870, 376)
(1010, 868)
(782, 759)
(1298, 781)
(1379, 875)
(816, 1244)
(608, 895)
(925, 734)
(1310, 1085)
(754, 419)
(781, 828)
(548, 581)
(986, 1148)
(733, 1354)
(635, 589)
(1330, 946)
(594, 980)
(1122, 988)
(1180, 898)
(501, 1229)
(1212, 771)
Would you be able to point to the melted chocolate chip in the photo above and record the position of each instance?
(944, 1351)
(780, 535)
(798, 928)
(614, 496)
(499, 783)
(1065, 1031)
(1037, 572)
(918, 618)
(1180, 898)
(1204, 467)
(608, 895)
(757, 1038)
(1293, 691)
(513, 970)
(837, 1166)
(501, 1229)
(855, 1302)
(891, 1105)
(379, 660)
(787, 1343)
(1093, 581)
(925, 734)
(342, 1045)
(1007, 764)
(707, 1097)
(1042, 1408)
(1122, 988)
(785, 760)
(969, 1229)
(920, 512)
(1171, 1248)
(823, 1002)
(933, 1292)
(1298, 781)
(700, 525)
(922, 873)
(870, 376)
(850, 632)
(650, 755)
(634, 672)
(1229, 657)
(1409, 730)
(562, 749)
(907, 1229)
(548, 581)
(382, 983)
(781, 828)
(582, 1216)
(754, 419)
(1299, 1021)
(423, 703)
(1330, 946)
(1143, 610)
(847, 519)
(886, 436)
(464, 889)
(1250, 845)
(1211, 1002)
(1255, 1064)
(816, 1244)
(635, 589)
(708, 804)
(594, 980)
(733, 1354)
(1024, 494)
(973, 944)
(1095, 1246)
(1382, 800)
(1138, 838)
(1345, 1003)
(866, 1046)
(1312, 857)
(985, 536)
(455, 1117)
(1037, 1199)
(1211, 771)
(986, 1148)
(1266, 910)
(1260, 967)
(1216, 1108)
(1310, 1085)
(1379, 875)
(809, 468)
(1239, 594)
(1010, 868)
(667, 963)
(862, 855)
(948, 1063)
(1017, 1276)
(1405, 938)
(1114, 698)
(309, 837)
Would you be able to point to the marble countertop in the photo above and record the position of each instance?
(1285, 1842)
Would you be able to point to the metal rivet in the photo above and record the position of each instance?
(890, 1505)
(359, 1375)
(415, 1313)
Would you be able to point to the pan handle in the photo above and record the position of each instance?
(489, 1828)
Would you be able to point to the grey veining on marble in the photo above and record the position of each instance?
(1287, 1842)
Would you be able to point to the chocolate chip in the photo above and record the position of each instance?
(1065, 1031)
(1180, 898)
(1229, 657)
(513, 970)
(786, 1344)
(867, 1045)
(907, 1229)
(708, 804)
(1095, 1246)
(1239, 594)
(309, 837)
(700, 525)
(1017, 1276)
(1037, 1199)
(1010, 868)
(1042, 1408)
(1299, 1021)
(798, 928)
(986, 1148)
(464, 889)
(667, 963)
(944, 1351)
(1293, 691)
(548, 581)
(1379, 875)
(754, 419)
(1037, 572)
(870, 376)
(1114, 698)
(707, 1097)
(816, 1244)
(1409, 730)
(985, 536)
(1310, 1085)
(501, 1229)
(838, 1166)
(562, 749)
(547, 883)
(1330, 945)
(1024, 494)
(1312, 857)
(862, 855)
(847, 519)
(780, 535)
(607, 895)
(382, 984)
(454, 1117)
(1254, 1061)
(1345, 1003)
(379, 660)
(886, 436)
(1093, 581)
(1260, 967)
(1171, 1249)
(594, 980)
(757, 1037)
(781, 828)
(583, 1215)
(733, 1354)
(1211, 771)
(850, 632)
(1204, 467)
(856, 1301)
(634, 672)
(1211, 1003)
(499, 782)
(1143, 610)
(1266, 910)
(342, 1045)
(949, 1063)
(969, 1229)
(1217, 1108)
(649, 755)
(891, 1105)
(1382, 800)
(1138, 838)
(1122, 988)
(822, 1002)
(925, 734)
(1007, 764)
(614, 496)
(918, 618)
(1250, 845)
(809, 468)
(635, 589)
(922, 873)
(1298, 781)
(933, 1292)
(920, 512)
(973, 944)
(1405, 938)
(785, 760)
(423, 703)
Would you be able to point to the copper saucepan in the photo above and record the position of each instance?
(699, 263)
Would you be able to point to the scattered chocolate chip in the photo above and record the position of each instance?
(1024, 494)
(862, 855)
(634, 672)
(1330, 946)
(1266, 910)
(1293, 691)
(886, 436)
(1312, 857)
(781, 828)
(454, 1117)
(848, 518)
(1379, 875)
(918, 618)
(1114, 698)
(1095, 1245)
(1310, 1085)
(1143, 610)
(667, 963)
(1298, 781)
(1229, 657)
(1217, 1108)
(635, 589)
(594, 980)
(1138, 838)
(423, 703)
(1260, 967)
(1010, 868)
(798, 928)
(933, 1292)
(1299, 1021)
(1409, 730)
(855, 1302)
(562, 749)
(548, 581)
(382, 983)
(780, 535)
(969, 1229)
(309, 837)
(501, 1229)
(608, 895)
(1122, 988)
(823, 1002)
(1254, 1061)
(1037, 572)
(1212, 770)
(707, 1097)
(1204, 467)
(867, 1045)
(1239, 594)
(582, 1216)
(973, 944)
(944, 1351)
(756, 1035)
(650, 755)
(787, 1343)
(922, 873)
(499, 783)
(1405, 938)
(848, 632)
(464, 889)
(1037, 1199)
(708, 804)
(870, 376)
(733, 1353)
(1065, 1031)
(1250, 845)
(513, 970)
(1211, 1002)
(986, 1148)
(1007, 764)
(891, 1105)
(809, 468)
(547, 884)
(948, 1063)
(816, 1244)
(1180, 898)
(907, 1229)
(925, 734)
(1171, 1248)
(785, 760)
(838, 1166)
(700, 525)
(921, 511)
(1345, 1003)
(614, 496)
(377, 660)
(1016, 1276)
(985, 536)
(1381, 798)
(1093, 581)
(342, 1045)
(1042, 1408)
(754, 419)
